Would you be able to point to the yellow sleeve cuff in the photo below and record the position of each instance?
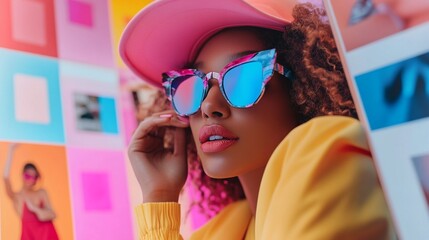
(159, 220)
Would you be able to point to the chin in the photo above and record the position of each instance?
(215, 168)
(29, 186)
(217, 175)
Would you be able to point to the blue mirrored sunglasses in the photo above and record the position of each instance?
(242, 82)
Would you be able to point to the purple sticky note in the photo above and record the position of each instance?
(80, 13)
(96, 191)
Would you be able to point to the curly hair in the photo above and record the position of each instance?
(309, 50)
(319, 87)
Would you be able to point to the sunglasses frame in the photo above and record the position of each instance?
(267, 58)
(30, 177)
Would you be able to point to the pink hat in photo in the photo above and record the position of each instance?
(167, 34)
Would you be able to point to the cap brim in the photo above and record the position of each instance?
(167, 34)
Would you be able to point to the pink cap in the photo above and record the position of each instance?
(167, 34)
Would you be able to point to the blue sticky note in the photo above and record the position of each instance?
(109, 122)
(26, 113)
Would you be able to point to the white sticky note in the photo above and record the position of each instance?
(31, 99)
(29, 22)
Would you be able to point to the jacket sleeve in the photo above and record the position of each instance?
(321, 183)
(159, 221)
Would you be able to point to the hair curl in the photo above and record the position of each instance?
(319, 87)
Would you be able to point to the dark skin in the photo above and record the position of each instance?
(260, 128)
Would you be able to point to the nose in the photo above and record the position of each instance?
(215, 105)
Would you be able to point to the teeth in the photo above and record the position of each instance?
(215, 137)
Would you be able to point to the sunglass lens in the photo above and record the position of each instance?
(30, 177)
(243, 84)
(187, 94)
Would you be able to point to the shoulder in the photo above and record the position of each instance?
(322, 177)
(42, 192)
(321, 136)
(329, 128)
(318, 148)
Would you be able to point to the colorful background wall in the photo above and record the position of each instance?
(70, 104)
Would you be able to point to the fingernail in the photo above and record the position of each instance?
(183, 119)
(165, 115)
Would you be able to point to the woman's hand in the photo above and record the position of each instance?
(44, 213)
(11, 152)
(160, 171)
(13, 146)
(6, 173)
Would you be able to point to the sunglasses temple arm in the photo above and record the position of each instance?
(283, 71)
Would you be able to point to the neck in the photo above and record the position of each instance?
(251, 182)
(27, 189)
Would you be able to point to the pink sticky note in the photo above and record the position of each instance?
(102, 172)
(96, 193)
(31, 99)
(29, 22)
(80, 13)
(83, 31)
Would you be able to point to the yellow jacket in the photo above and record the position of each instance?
(320, 183)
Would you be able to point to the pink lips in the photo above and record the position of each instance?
(215, 138)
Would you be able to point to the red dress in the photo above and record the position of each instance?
(34, 229)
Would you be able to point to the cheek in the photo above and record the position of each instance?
(273, 119)
(195, 124)
(265, 126)
(276, 109)
(407, 8)
(266, 131)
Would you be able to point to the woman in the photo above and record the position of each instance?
(31, 204)
(251, 86)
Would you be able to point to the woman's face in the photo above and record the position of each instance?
(253, 133)
(30, 178)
